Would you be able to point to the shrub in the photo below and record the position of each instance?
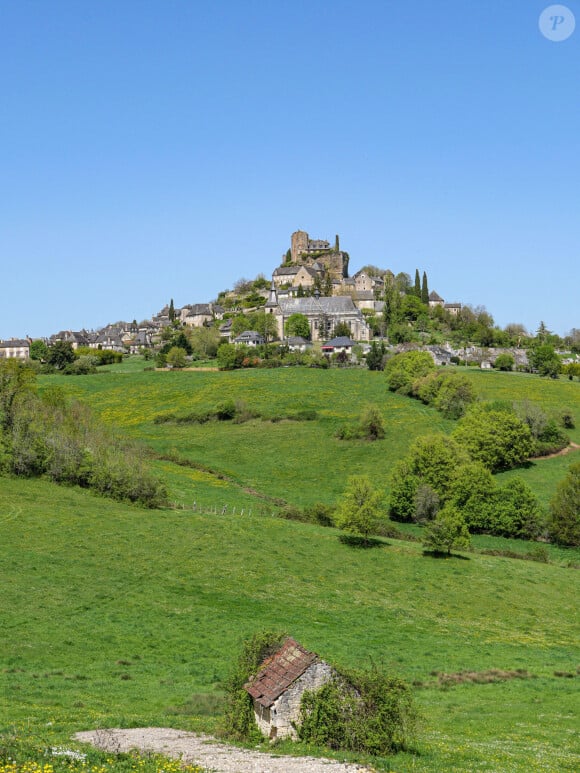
(239, 721)
(447, 531)
(497, 439)
(371, 424)
(369, 712)
(564, 522)
(504, 362)
(403, 369)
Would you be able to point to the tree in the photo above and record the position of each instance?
(60, 354)
(176, 357)
(424, 289)
(265, 324)
(371, 424)
(297, 325)
(359, 509)
(447, 531)
(504, 362)
(564, 523)
(417, 288)
(342, 329)
(171, 312)
(544, 359)
(38, 350)
(376, 356)
(403, 369)
(204, 341)
(426, 503)
(496, 438)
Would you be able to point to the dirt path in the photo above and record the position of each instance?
(208, 752)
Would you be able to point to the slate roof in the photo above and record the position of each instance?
(340, 341)
(336, 304)
(14, 342)
(433, 296)
(278, 672)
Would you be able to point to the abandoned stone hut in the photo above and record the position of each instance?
(278, 686)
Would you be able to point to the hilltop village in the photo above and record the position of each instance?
(337, 312)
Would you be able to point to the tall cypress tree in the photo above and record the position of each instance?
(424, 289)
(417, 284)
(171, 313)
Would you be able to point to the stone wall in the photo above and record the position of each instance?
(276, 722)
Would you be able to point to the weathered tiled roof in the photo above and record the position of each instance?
(433, 296)
(278, 672)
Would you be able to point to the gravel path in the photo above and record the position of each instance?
(206, 751)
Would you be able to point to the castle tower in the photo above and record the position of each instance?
(298, 245)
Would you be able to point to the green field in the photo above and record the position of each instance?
(117, 616)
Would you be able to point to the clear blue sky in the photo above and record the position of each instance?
(157, 149)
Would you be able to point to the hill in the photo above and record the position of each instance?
(117, 616)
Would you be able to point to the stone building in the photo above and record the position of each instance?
(323, 314)
(16, 348)
(277, 688)
(307, 251)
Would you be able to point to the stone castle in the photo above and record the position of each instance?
(308, 252)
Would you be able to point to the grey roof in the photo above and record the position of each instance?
(199, 308)
(286, 270)
(340, 341)
(434, 297)
(340, 304)
(249, 335)
(365, 295)
(14, 342)
(452, 305)
(297, 341)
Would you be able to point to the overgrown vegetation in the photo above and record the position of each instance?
(362, 711)
(239, 721)
(49, 436)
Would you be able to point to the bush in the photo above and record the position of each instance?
(496, 438)
(239, 721)
(564, 522)
(504, 362)
(369, 712)
(447, 531)
(404, 369)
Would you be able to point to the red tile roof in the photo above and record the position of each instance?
(279, 671)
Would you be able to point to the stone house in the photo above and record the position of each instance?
(295, 276)
(277, 688)
(435, 300)
(452, 308)
(340, 344)
(16, 348)
(250, 338)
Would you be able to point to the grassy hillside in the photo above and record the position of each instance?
(113, 616)
(300, 462)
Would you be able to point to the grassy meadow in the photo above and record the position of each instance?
(117, 616)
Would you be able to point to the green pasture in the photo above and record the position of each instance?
(116, 616)
(298, 462)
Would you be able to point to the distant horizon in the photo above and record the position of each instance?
(154, 148)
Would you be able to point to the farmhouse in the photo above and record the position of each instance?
(278, 686)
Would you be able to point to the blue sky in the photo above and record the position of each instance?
(157, 149)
